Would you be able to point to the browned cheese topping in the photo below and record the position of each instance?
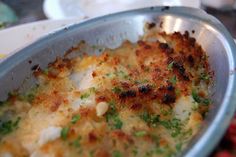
(144, 99)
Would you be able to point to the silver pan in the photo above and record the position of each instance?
(111, 30)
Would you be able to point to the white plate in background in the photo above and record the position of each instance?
(12, 39)
(61, 9)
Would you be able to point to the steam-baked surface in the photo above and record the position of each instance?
(144, 99)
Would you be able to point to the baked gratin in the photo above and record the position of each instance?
(144, 99)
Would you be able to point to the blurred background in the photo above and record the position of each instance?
(15, 12)
(18, 12)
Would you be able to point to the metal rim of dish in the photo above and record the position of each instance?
(213, 133)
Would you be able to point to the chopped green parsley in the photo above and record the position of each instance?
(150, 119)
(174, 125)
(76, 142)
(173, 80)
(64, 132)
(9, 126)
(116, 90)
(112, 117)
(135, 152)
(204, 76)
(84, 96)
(116, 153)
(178, 146)
(170, 66)
(140, 133)
(75, 118)
(117, 123)
(199, 99)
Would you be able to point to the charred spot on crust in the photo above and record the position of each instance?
(147, 47)
(66, 63)
(141, 43)
(101, 98)
(186, 34)
(191, 60)
(181, 70)
(192, 41)
(127, 94)
(72, 49)
(61, 63)
(167, 94)
(165, 47)
(168, 98)
(125, 85)
(92, 137)
(144, 89)
(151, 25)
(169, 50)
(170, 87)
(185, 77)
(94, 74)
(154, 96)
(144, 45)
(122, 136)
(136, 106)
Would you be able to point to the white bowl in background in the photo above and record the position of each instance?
(61, 9)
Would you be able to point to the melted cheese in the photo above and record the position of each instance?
(49, 134)
(135, 100)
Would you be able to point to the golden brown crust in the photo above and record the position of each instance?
(153, 97)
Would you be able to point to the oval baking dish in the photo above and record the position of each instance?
(111, 30)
